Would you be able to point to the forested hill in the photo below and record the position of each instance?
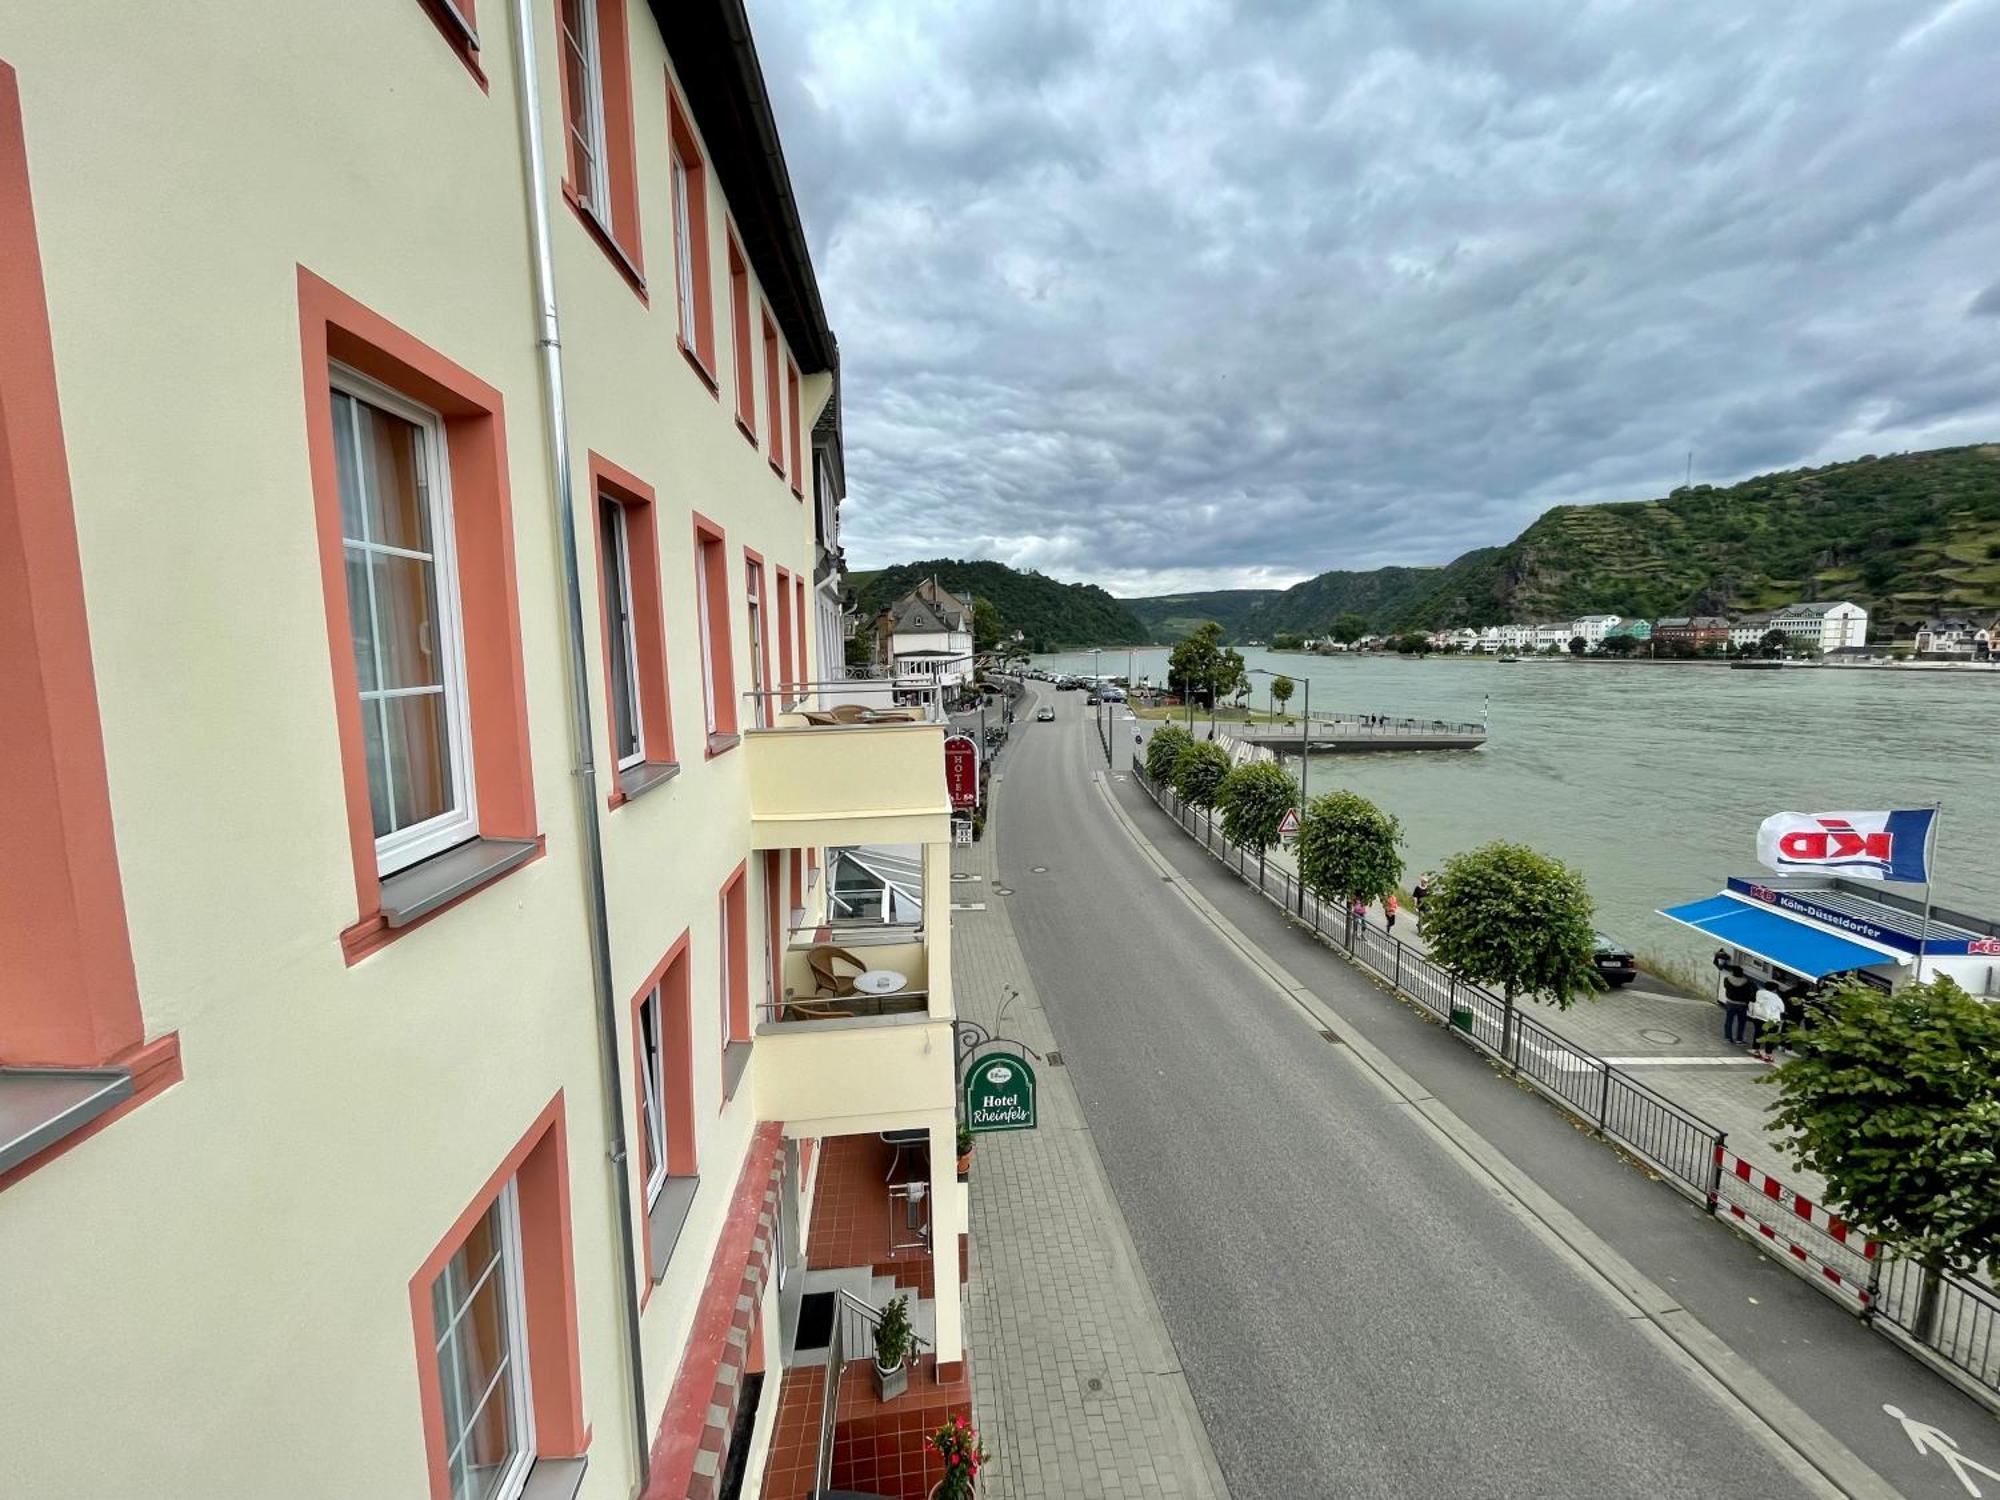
(1050, 614)
(1168, 617)
(1910, 536)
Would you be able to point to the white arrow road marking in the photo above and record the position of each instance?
(1928, 1439)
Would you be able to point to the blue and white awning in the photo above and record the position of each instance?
(1776, 938)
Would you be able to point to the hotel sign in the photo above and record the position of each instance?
(1000, 1094)
(961, 771)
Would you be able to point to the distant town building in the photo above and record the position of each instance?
(1749, 631)
(1828, 625)
(1958, 639)
(1639, 630)
(1593, 628)
(1698, 632)
(1517, 637)
(1552, 633)
(925, 637)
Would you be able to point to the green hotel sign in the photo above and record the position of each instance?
(1000, 1094)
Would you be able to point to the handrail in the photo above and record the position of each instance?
(846, 1306)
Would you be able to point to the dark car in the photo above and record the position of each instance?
(1615, 965)
(1046, 716)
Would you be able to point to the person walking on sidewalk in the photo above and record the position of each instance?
(1737, 993)
(1767, 1010)
(1417, 893)
(1389, 911)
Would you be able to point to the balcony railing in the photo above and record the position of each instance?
(820, 967)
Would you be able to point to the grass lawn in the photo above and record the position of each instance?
(1201, 715)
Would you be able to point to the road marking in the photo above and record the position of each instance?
(1685, 1062)
(1928, 1439)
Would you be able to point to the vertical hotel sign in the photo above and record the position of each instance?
(961, 772)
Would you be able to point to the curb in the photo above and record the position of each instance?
(1786, 1425)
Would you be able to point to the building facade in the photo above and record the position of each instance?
(1593, 629)
(1826, 626)
(1692, 632)
(409, 1040)
(925, 640)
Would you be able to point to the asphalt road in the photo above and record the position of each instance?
(1357, 1312)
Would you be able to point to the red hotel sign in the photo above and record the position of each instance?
(961, 771)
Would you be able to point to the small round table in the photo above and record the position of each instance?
(879, 981)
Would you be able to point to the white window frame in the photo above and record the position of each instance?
(728, 969)
(406, 846)
(683, 245)
(753, 573)
(626, 644)
(653, 1092)
(596, 193)
(702, 618)
(521, 1389)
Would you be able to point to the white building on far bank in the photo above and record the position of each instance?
(1829, 625)
(1593, 628)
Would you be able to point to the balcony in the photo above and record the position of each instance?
(858, 779)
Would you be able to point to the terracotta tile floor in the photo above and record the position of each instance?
(850, 1216)
(878, 1446)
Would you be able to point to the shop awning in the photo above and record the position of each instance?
(1775, 937)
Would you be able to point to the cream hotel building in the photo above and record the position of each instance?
(425, 766)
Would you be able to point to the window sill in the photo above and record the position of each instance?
(721, 744)
(735, 1058)
(749, 432)
(776, 467)
(664, 1222)
(460, 35)
(700, 368)
(410, 895)
(635, 781)
(596, 228)
(46, 1111)
(555, 1479)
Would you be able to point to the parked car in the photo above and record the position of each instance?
(1046, 716)
(1615, 964)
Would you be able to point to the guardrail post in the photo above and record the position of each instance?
(1399, 966)
(1715, 1171)
(1870, 1297)
(1604, 1096)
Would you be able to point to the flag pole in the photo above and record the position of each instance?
(1930, 856)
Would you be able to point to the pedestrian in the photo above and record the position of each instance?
(1417, 893)
(1358, 910)
(1767, 1010)
(1389, 911)
(1737, 993)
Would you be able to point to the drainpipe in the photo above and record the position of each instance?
(556, 415)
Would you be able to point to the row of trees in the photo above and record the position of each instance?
(1894, 1099)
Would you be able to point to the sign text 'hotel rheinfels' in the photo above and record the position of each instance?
(999, 1093)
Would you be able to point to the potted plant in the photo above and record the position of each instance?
(893, 1337)
(957, 1443)
(964, 1151)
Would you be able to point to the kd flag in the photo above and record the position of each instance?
(1867, 845)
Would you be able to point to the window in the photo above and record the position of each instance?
(407, 462)
(663, 1060)
(454, 19)
(635, 652)
(799, 625)
(733, 968)
(785, 677)
(494, 1312)
(792, 403)
(739, 329)
(774, 416)
(627, 736)
(599, 154)
(652, 1096)
(689, 181)
(753, 592)
(718, 673)
(402, 607)
(482, 1356)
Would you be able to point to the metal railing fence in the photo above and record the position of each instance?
(853, 1337)
(1959, 1328)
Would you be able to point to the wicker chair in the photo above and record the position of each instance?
(827, 980)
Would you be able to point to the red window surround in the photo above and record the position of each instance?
(455, 21)
(792, 401)
(676, 1086)
(711, 556)
(784, 682)
(734, 961)
(642, 546)
(799, 624)
(774, 414)
(687, 151)
(69, 996)
(615, 226)
(539, 1167)
(765, 711)
(774, 884)
(739, 327)
(333, 326)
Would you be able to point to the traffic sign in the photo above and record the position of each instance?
(1288, 826)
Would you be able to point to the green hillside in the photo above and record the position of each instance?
(1909, 536)
(1052, 615)
(1378, 596)
(1168, 617)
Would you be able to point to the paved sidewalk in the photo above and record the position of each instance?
(1079, 1391)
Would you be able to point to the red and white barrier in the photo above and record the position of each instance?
(1791, 1206)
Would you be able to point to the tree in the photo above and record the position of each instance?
(1349, 628)
(1196, 662)
(1254, 799)
(1284, 640)
(1198, 773)
(1230, 679)
(1773, 644)
(1619, 645)
(1163, 751)
(1578, 645)
(987, 626)
(1281, 693)
(1505, 916)
(1347, 850)
(1895, 1100)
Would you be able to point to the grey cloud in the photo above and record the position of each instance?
(1193, 293)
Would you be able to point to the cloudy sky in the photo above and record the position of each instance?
(1169, 294)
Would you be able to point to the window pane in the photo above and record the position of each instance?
(360, 613)
(474, 1357)
(344, 418)
(683, 252)
(372, 739)
(419, 757)
(392, 454)
(406, 617)
(617, 603)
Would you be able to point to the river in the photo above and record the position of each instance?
(1651, 780)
